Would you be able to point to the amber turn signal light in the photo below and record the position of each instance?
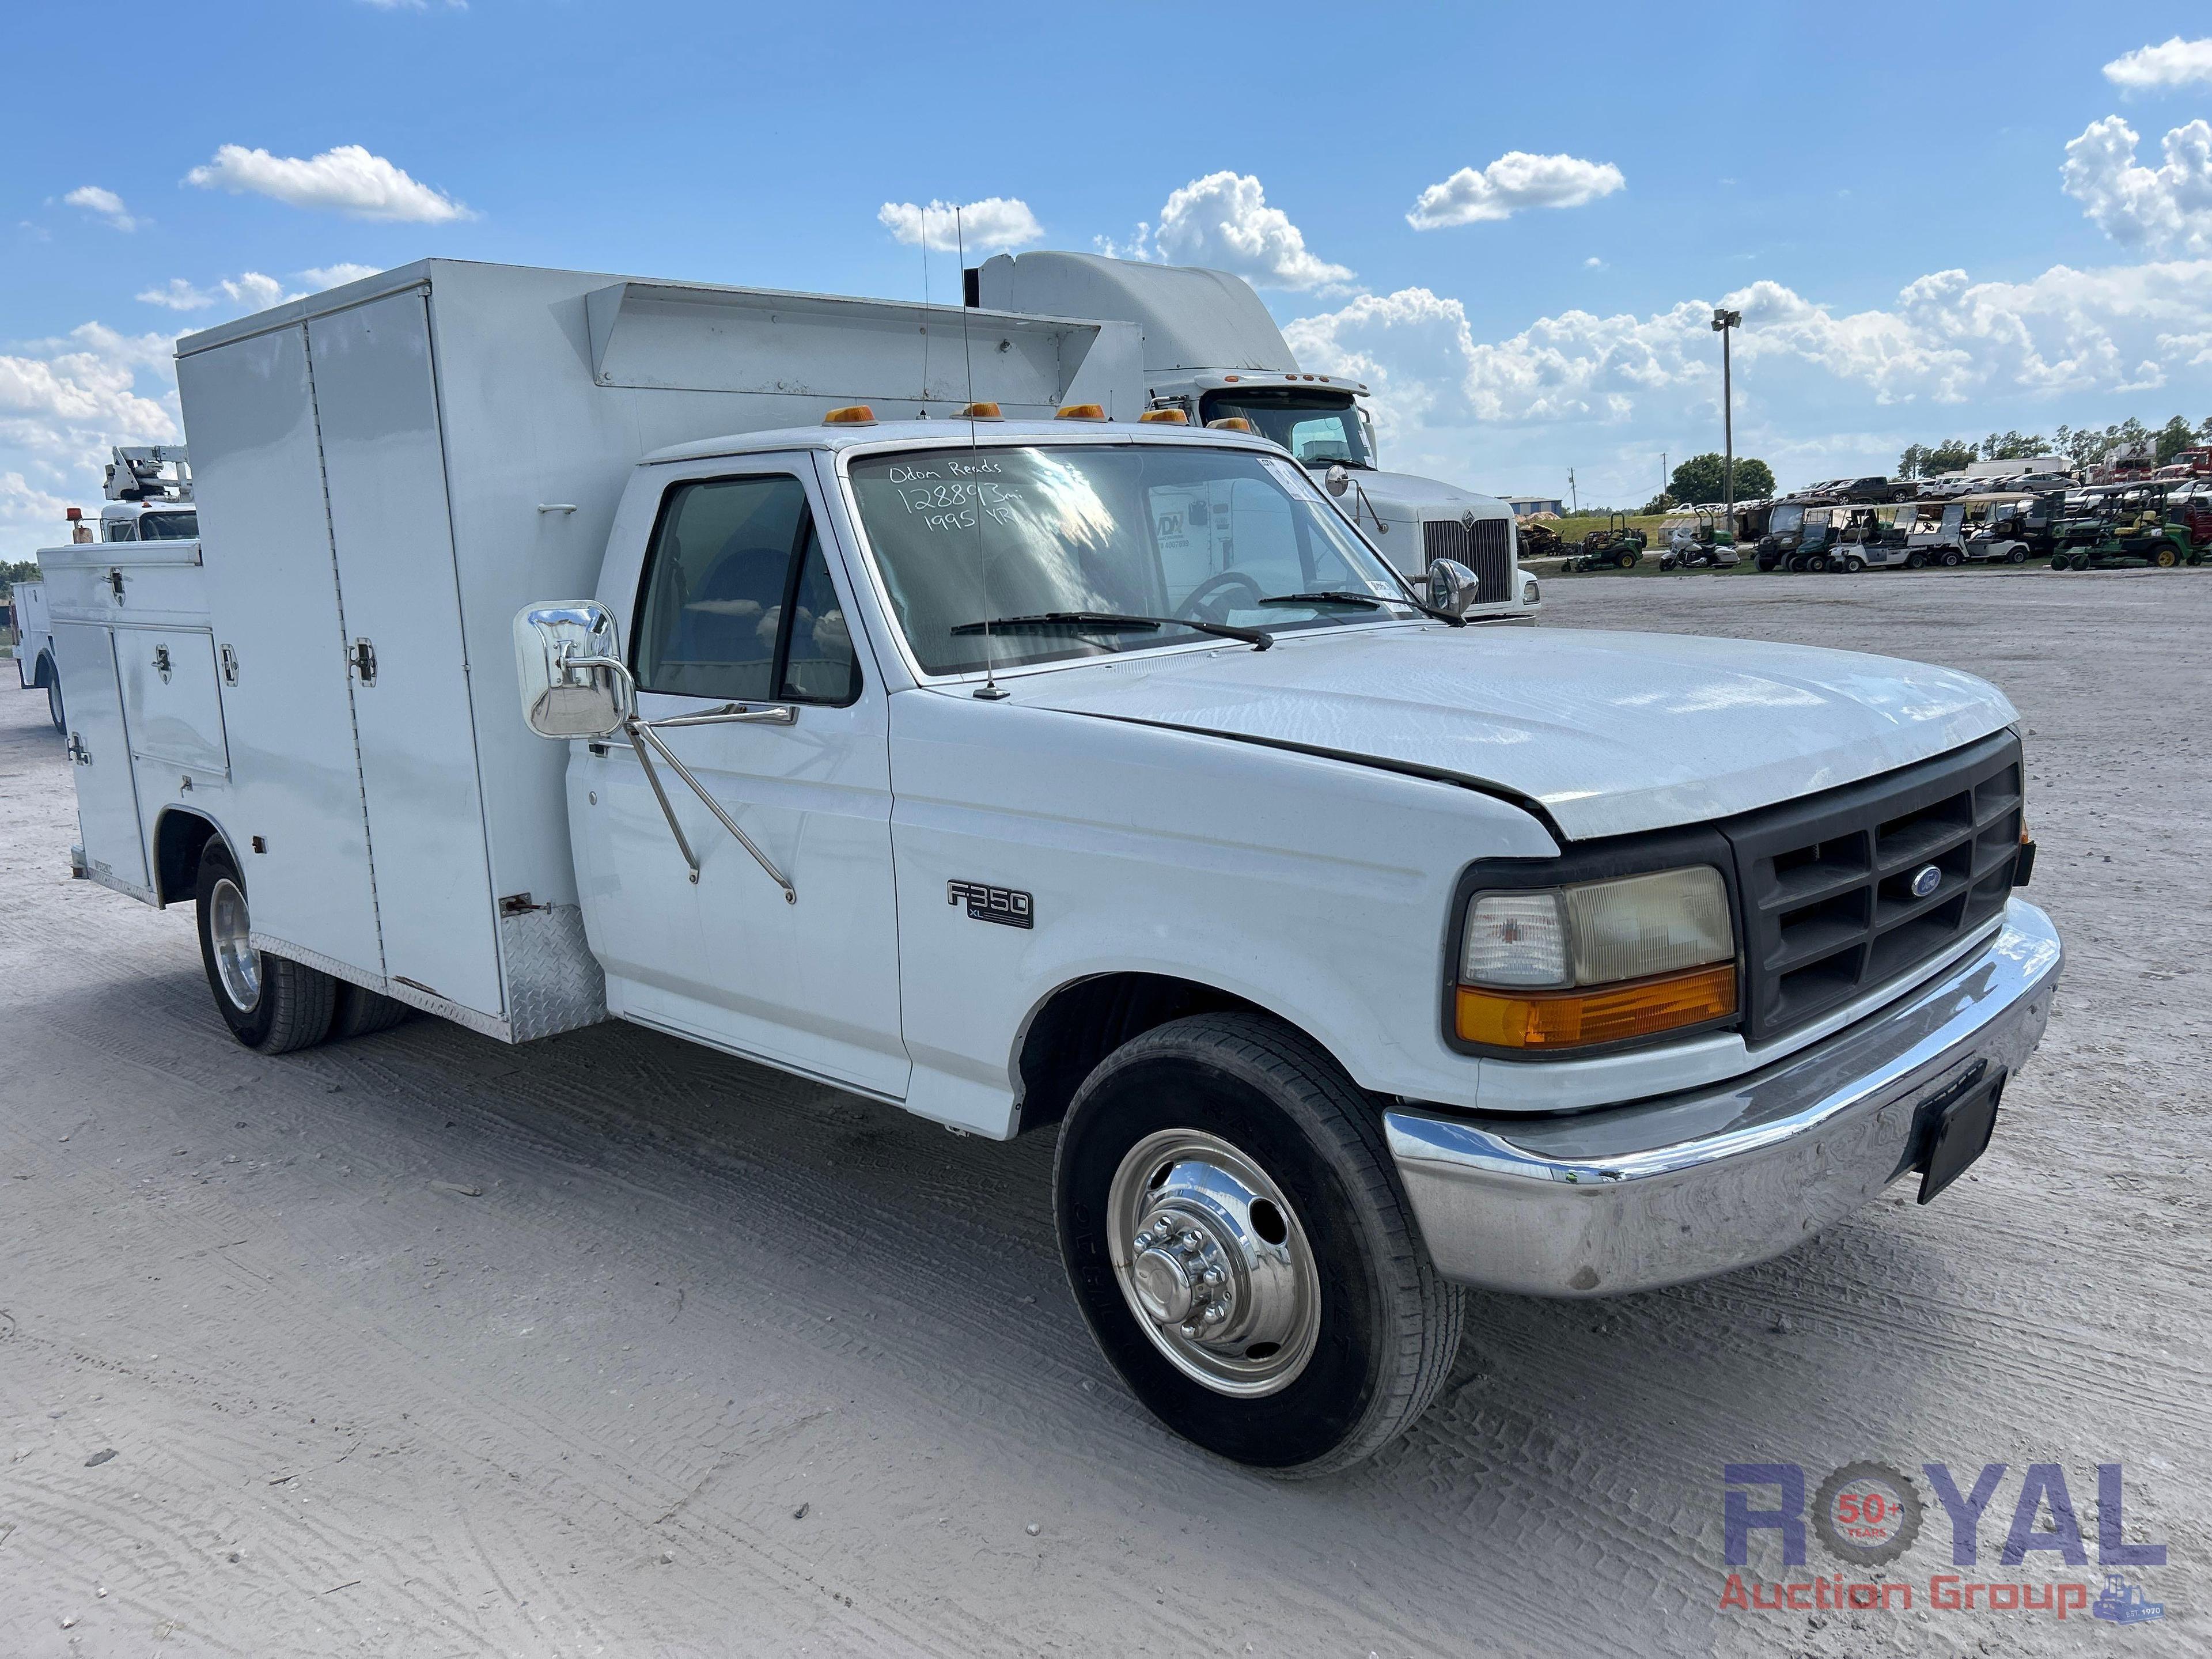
(1163, 418)
(980, 412)
(851, 415)
(1230, 423)
(1080, 412)
(1583, 1018)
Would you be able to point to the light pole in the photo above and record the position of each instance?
(1722, 322)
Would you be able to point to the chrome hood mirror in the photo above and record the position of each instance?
(572, 679)
(1337, 479)
(1452, 588)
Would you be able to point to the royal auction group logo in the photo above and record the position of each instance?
(1868, 1515)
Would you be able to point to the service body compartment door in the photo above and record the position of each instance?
(172, 698)
(107, 794)
(384, 463)
(265, 545)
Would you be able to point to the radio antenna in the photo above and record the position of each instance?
(990, 690)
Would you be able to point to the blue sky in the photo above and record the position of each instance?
(1512, 221)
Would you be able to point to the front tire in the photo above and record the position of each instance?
(1237, 1239)
(271, 1004)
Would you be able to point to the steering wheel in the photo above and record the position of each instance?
(1195, 603)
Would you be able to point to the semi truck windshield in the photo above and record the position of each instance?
(1133, 531)
(1320, 428)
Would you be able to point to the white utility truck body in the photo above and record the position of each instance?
(34, 637)
(1212, 350)
(553, 649)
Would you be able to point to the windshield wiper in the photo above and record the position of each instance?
(1111, 621)
(1372, 601)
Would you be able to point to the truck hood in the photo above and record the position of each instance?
(1404, 498)
(1608, 732)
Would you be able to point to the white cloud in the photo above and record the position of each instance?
(348, 179)
(104, 202)
(996, 222)
(1581, 387)
(2160, 207)
(1224, 220)
(63, 403)
(249, 291)
(322, 276)
(2179, 63)
(1514, 181)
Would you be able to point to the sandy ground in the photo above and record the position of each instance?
(424, 1345)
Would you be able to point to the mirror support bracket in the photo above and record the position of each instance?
(643, 736)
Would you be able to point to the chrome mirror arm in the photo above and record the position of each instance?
(642, 735)
(667, 811)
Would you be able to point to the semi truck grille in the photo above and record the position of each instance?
(1827, 883)
(1486, 549)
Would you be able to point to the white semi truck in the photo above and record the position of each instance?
(1212, 350)
(563, 647)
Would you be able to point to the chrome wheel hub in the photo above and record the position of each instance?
(237, 963)
(1212, 1261)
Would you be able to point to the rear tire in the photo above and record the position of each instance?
(356, 1011)
(1916, 561)
(271, 1004)
(1375, 1327)
(52, 677)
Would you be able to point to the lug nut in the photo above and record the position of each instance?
(1214, 1275)
(1191, 1331)
(1215, 1313)
(1189, 1240)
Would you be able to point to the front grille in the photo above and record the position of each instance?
(1486, 549)
(1828, 910)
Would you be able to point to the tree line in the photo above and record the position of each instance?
(2084, 447)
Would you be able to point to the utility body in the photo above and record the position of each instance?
(560, 646)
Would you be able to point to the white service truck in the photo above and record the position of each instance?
(561, 647)
(34, 646)
(1212, 350)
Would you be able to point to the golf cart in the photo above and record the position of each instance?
(1995, 526)
(2126, 527)
(1619, 546)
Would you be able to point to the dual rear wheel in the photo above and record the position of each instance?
(272, 1004)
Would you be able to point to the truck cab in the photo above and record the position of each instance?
(1213, 353)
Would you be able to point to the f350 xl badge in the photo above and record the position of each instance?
(1007, 905)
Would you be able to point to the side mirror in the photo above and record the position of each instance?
(572, 679)
(1337, 480)
(1452, 586)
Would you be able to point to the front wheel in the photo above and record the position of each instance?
(1853, 564)
(270, 1003)
(1237, 1239)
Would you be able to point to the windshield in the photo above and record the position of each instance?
(168, 526)
(1140, 531)
(1320, 429)
(1785, 520)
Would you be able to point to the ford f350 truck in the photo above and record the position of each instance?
(1212, 350)
(561, 647)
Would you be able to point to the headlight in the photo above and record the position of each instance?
(1599, 961)
(1530, 593)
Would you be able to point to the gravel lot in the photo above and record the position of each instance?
(422, 1345)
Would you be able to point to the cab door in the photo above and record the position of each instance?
(739, 634)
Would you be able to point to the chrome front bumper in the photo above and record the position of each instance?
(1625, 1198)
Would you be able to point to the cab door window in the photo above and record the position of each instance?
(737, 601)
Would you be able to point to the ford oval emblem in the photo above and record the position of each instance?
(1925, 880)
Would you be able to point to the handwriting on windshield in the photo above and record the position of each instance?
(947, 497)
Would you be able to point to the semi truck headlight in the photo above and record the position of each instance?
(1600, 962)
